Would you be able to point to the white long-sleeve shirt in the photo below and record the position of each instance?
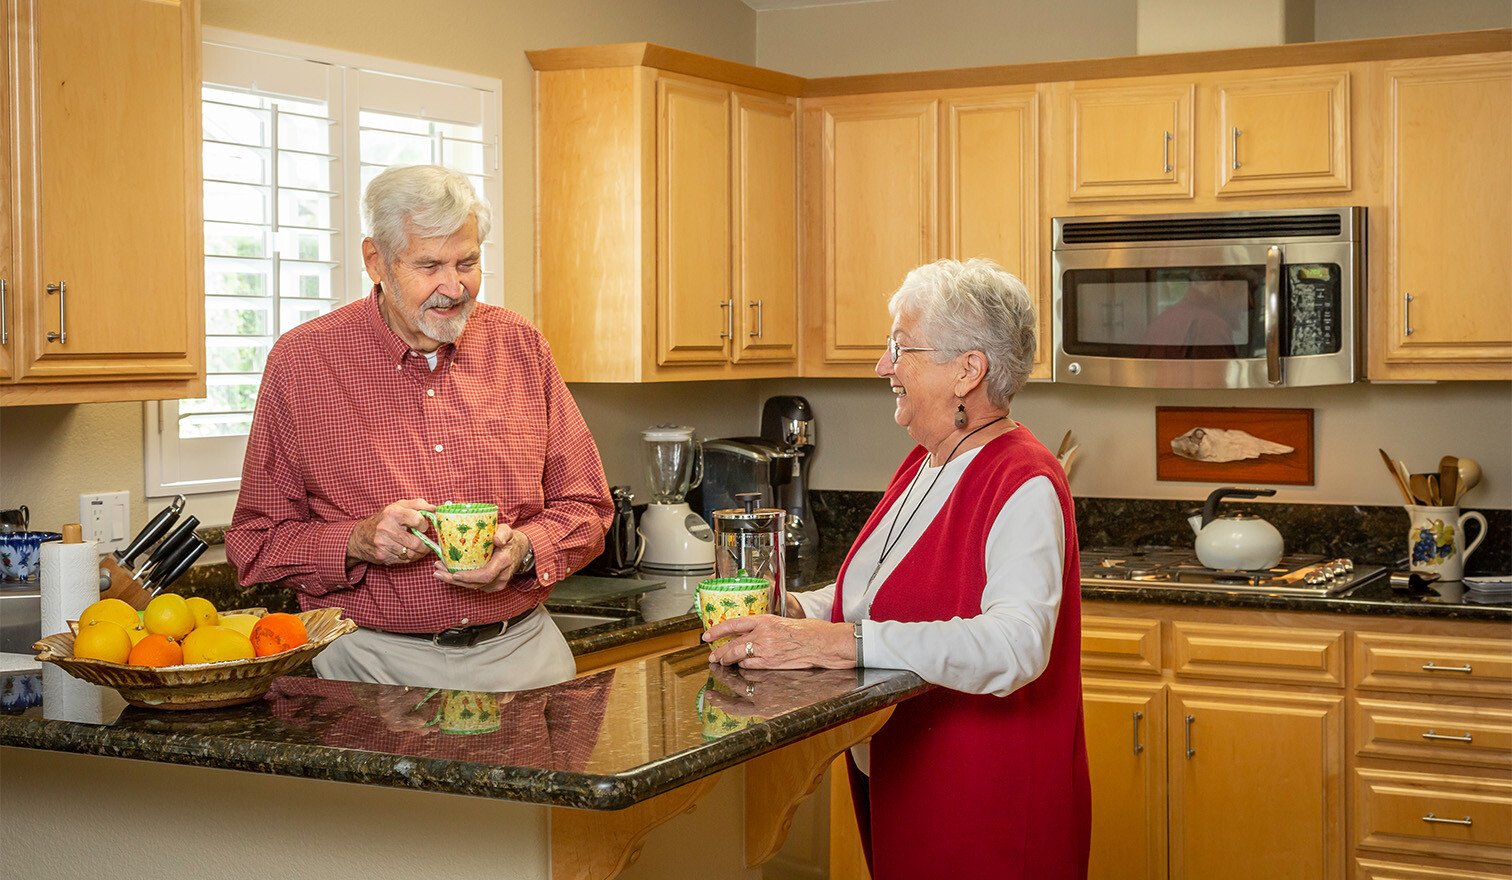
(999, 650)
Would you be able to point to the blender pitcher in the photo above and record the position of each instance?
(751, 541)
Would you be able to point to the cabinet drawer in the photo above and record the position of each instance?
(1370, 869)
(1456, 817)
(1120, 644)
(1254, 653)
(1434, 664)
(1474, 735)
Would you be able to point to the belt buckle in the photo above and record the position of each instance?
(456, 637)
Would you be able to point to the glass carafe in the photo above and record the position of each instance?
(751, 541)
(674, 462)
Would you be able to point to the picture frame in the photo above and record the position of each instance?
(1206, 444)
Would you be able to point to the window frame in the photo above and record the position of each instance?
(201, 466)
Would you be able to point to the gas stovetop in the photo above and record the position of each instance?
(1296, 574)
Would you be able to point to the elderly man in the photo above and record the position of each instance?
(413, 396)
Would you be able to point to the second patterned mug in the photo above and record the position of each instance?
(464, 533)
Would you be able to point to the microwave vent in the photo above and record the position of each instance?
(1178, 228)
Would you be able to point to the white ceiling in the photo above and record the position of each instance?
(764, 5)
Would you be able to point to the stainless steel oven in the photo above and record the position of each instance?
(1254, 299)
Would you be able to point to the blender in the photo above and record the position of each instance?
(674, 538)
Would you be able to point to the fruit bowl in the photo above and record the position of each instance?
(197, 685)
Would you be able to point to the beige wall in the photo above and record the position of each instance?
(48, 455)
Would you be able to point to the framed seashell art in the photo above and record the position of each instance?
(1206, 444)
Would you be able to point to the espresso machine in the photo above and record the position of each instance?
(789, 422)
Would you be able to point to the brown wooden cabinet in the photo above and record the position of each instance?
(1126, 756)
(667, 221)
(1444, 308)
(1126, 139)
(104, 256)
(871, 183)
(1281, 133)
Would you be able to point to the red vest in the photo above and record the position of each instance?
(975, 785)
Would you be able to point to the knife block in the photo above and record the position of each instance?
(122, 585)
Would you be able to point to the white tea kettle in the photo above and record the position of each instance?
(1235, 541)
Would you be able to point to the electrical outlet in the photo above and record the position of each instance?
(106, 517)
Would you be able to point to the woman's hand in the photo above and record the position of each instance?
(767, 642)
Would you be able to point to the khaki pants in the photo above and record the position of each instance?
(530, 654)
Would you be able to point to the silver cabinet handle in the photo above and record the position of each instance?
(1407, 315)
(1138, 746)
(1432, 818)
(1430, 666)
(1165, 152)
(1464, 737)
(728, 306)
(61, 289)
(1273, 258)
(1235, 150)
(1189, 750)
(756, 334)
(4, 316)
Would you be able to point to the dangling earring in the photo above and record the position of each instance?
(960, 416)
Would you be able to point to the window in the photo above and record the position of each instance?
(292, 134)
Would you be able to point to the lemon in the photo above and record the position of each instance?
(113, 610)
(137, 633)
(103, 640)
(211, 644)
(204, 612)
(242, 623)
(169, 615)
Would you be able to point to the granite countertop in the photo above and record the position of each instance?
(602, 741)
(1439, 601)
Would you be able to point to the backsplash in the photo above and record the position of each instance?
(1364, 534)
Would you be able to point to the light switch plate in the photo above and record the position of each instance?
(106, 517)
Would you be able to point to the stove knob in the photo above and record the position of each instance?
(1317, 578)
(1348, 564)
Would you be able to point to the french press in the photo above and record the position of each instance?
(751, 541)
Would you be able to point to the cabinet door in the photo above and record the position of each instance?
(1449, 173)
(877, 193)
(1126, 754)
(1283, 134)
(1256, 784)
(766, 228)
(991, 204)
(1129, 142)
(115, 128)
(693, 302)
(8, 275)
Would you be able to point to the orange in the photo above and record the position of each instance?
(277, 633)
(212, 644)
(102, 640)
(168, 614)
(113, 610)
(156, 650)
(204, 612)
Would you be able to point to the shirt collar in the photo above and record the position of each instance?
(394, 348)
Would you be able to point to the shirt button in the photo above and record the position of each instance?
(398, 366)
(430, 392)
(438, 447)
(465, 621)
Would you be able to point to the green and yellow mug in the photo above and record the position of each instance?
(720, 599)
(465, 533)
(464, 713)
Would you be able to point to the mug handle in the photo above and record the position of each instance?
(439, 706)
(1480, 533)
(435, 548)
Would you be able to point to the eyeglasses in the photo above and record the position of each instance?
(895, 351)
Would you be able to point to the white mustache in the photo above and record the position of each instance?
(441, 301)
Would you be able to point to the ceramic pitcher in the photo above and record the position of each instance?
(1436, 540)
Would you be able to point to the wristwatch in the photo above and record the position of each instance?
(859, 662)
(527, 562)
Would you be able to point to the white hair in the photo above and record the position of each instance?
(973, 306)
(429, 200)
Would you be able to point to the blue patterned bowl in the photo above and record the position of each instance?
(20, 553)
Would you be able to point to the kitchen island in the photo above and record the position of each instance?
(378, 781)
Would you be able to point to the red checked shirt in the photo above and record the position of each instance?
(349, 419)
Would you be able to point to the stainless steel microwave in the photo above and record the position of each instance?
(1254, 299)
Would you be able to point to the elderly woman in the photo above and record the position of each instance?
(966, 574)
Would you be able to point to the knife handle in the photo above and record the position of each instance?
(171, 544)
(168, 570)
(156, 528)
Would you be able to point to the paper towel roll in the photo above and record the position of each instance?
(70, 582)
(65, 698)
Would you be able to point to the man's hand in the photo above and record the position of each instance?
(781, 643)
(509, 548)
(385, 537)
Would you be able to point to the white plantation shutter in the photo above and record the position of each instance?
(292, 134)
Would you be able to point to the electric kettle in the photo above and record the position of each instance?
(1236, 540)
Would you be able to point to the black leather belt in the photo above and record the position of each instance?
(467, 636)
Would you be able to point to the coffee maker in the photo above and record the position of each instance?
(789, 422)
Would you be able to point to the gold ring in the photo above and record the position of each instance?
(750, 650)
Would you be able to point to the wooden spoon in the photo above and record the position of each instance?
(1469, 475)
(1449, 479)
(1396, 476)
(1420, 491)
